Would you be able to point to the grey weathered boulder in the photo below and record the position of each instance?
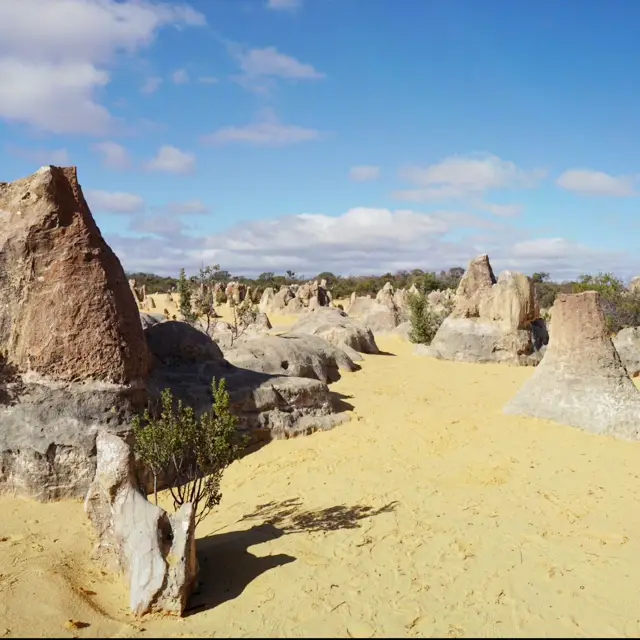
(175, 341)
(266, 304)
(581, 381)
(281, 299)
(267, 406)
(304, 356)
(338, 328)
(492, 321)
(75, 356)
(401, 301)
(386, 295)
(262, 322)
(382, 318)
(156, 551)
(627, 344)
(402, 331)
(295, 305)
(379, 317)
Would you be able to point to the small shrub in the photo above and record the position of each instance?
(185, 291)
(243, 314)
(424, 321)
(192, 452)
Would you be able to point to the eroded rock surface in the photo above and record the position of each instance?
(337, 328)
(76, 358)
(492, 321)
(305, 356)
(627, 344)
(156, 551)
(581, 381)
(268, 406)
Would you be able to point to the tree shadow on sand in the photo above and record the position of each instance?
(227, 567)
(289, 518)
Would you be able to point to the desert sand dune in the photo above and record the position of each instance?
(429, 513)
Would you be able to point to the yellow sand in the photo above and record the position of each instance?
(224, 311)
(429, 513)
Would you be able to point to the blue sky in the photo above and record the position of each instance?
(355, 136)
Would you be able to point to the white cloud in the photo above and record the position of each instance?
(114, 155)
(54, 55)
(266, 131)
(283, 5)
(170, 159)
(596, 183)
(114, 202)
(364, 173)
(261, 67)
(270, 62)
(41, 157)
(163, 226)
(180, 76)
(362, 240)
(50, 97)
(187, 208)
(151, 85)
(461, 177)
(500, 210)
(208, 80)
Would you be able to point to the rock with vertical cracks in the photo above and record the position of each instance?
(581, 381)
(154, 549)
(74, 358)
(627, 344)
(492, 321)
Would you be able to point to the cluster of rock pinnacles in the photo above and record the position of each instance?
(77, 365)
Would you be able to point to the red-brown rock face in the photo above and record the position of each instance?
(66, 309)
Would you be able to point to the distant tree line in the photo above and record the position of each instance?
(622, 307)
(341, 286)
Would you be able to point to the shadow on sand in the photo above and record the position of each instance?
(226, 565)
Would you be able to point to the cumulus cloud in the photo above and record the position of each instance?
(364, 173)
(54, 55)
(180, 76)
(260, 68)
(114, 202)
(170, 159)
(283, 5)
(151, 85)
(161, 225)
(114, 155)
(190, 207)
(465, 177)
(267, 130)
(597, 183)
(363, 240)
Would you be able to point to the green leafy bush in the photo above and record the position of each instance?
(424, 321)
(621, 308)
(191, 452)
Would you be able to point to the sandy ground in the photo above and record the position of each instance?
(429, 513)
(161, 302)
